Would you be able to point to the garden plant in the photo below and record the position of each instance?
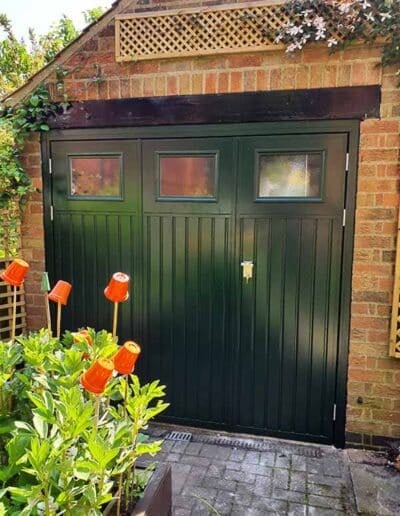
(71, 425)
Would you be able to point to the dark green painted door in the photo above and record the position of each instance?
(288, 314)
(257, 354)
(188, 245)
(96, 227)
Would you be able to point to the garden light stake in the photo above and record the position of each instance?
(117, 292)
(45, 287)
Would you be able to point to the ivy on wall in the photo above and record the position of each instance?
(18, 62)
(16, 123)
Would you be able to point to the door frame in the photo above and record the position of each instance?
(351, 127)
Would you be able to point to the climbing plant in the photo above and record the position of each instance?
(18, 61)
(351, 20)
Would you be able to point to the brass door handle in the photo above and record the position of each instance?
(247, 270)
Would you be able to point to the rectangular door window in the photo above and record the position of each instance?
(95, 176)
(186, 176)
(289, 175)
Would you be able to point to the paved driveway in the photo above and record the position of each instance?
(252, 476)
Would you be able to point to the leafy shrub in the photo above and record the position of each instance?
(62, 449)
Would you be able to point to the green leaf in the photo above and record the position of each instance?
(44, 127)
(34, 100)
(24, 426)
(40, 425)
(6, 425)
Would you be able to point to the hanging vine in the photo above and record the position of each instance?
(16, 124)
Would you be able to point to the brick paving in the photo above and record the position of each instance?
(240, 482)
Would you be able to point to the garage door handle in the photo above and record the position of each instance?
(247, 270)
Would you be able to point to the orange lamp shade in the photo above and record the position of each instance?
(125, 358)
(60, 292)
(79, 337)
(15, 272)
(96, 377)
(83, 334)
(117, 289)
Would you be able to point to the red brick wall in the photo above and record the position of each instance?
(374, 379)
(32, 238)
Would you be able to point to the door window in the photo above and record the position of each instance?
(187, 176)
(95, 176)
(289, 175)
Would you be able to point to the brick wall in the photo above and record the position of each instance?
(32, 238)
(374, 379)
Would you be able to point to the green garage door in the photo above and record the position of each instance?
(234, 246)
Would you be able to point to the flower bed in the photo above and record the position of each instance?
(63, 448)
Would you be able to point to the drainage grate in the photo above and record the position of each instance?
(179, 436)
(260, 445)
(256, 445)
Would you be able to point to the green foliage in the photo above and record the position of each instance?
(30, 115)
(92, 15)
(63, 455)
(357, 20)
(14, 184)
(18, 62)
(16, 123)
(60, 35)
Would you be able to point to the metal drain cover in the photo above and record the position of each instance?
(179, 436)
(261, 446)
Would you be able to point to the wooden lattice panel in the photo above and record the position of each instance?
(207, 31)
(6, 307)
(188, 32)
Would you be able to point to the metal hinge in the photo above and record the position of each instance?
(50, 167)
(347, 161)
(334, 412)
(344, 217)
(51, 213)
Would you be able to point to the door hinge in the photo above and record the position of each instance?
(50, 166)
(344, 217)
(347, 161)
(51, 213)
(334, 412)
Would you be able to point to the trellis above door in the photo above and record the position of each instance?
(204, 31)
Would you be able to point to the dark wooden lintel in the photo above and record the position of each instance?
(358, 102)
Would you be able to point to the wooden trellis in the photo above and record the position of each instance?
(206, 31)
(6, 305)
(394, 350)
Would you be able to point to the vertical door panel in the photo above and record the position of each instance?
(188, 251)
(288, 312)
(97, 236)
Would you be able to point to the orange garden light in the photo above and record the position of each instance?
(125, 359)
(117, 292)
(15, 275)
(124, 362)
(59, 295)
